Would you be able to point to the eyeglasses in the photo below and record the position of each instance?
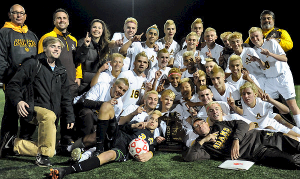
(199, 124)
(18, 13)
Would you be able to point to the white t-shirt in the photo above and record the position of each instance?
(215, 52)
(237, 84)
(106, 77)
(164, 75)
(136, 87)
(178, 61)
(127, 60)
(229, 89)
(276, 67)
(173, 49)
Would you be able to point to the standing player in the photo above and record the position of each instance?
(168, 41)
(136, 80)
(279, 79)
(212, 49)
(119, 152)
(196, 26)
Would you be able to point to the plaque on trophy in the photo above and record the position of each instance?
(174, 133)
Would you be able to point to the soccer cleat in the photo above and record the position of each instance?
(43, 161)
(6, 144)
(76, 155)
(57, 173)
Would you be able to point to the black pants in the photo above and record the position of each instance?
(85, 120)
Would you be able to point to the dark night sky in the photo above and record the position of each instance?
(222, 15)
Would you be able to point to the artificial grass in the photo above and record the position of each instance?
(162, 165)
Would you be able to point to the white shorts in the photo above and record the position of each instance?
(283, 84)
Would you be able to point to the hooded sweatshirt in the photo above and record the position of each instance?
(17, 44)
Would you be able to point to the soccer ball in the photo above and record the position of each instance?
(138, 146)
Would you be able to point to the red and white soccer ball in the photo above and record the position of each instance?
(138, 146)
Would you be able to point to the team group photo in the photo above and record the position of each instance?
(171, 95)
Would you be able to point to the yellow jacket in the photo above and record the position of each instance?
(285, 40)
(69, 41)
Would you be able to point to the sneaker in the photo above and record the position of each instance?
(57, 173)
(43, 161)
(76, 155)
(7, 144)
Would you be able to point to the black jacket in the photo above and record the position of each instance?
(51, 88)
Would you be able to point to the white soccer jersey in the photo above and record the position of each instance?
(237, 84)
(274, 67)
(178, 61)
(150, 52)
(101, 92)
(136, 87)
(203, 114)
(262, 114)
(173, 49)
(215, 52)
(127, 60)
(252, 67)
(131, 108)
(186, 74)
(106, 77)
(178, 95)
(164, 75)
(229, 89)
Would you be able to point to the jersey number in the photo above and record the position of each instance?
(135, 94)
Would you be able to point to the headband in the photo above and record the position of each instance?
(152, 28)
(174, 73)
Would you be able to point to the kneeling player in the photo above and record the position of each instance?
(119, 152)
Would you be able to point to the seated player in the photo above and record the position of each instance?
(87, 105)
(279, 79)
(192, 43)
(212, 49)
(168, 41)
(233, 140)
(119, 151)
(249, 57)
(130, 29)
(220, 89)
(189, 62)
(174, 77)
(161, 70)
(116, 63)
(139, 113)
(260, 110)
(239, 75)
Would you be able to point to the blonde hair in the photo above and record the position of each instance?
(157, 112)
(188, 53)
(131, 19)
(210, 29)
(196, 21)
(217, 69)
(122, 80)
(52, 40)
(234, 58)
(115, 55)
(184, 80)
(153, 27)
(168, 23)
(174, 70)
(141, 54)
(255, 29)
(249, 85)
(235, 35)
(162, 51)
(168, 92)
(210, 104)
(150, 92)
(201, 73)
(203, 87)
(192, 34)
(225, 34)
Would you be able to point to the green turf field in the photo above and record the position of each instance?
(162, 165)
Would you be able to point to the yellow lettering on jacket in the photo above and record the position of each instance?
(21, 43)
(222, 138)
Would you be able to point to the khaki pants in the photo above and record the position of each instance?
(45, 119)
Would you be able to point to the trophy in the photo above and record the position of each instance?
(174, 133)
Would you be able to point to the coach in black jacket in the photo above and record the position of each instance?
(51, 99)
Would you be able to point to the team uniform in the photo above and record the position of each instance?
(173, 49)
(215, 52)
(137, 118)
(136, 87)
(106, 77)
(278, 76)
(127, 60)
(237, 84)
(229, 89)
(262, 115)
(164, 75)
(252, 67)
(186, 74)
(178, 61)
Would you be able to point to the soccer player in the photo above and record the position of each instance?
(119, 151)
(279, 78)
(250, 59)
(233, 140)
(192, 43)
(189, 62)
(88, 105)
(160, 71)
(267, 22)
(196, 26)
(227, 50)
(212, 49)
(136, 80)
(168, 41)
(130, 28)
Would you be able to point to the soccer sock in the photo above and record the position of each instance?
(77, 144)
(102, 126)
(297, 119)
(296, 129)
(86, 165)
